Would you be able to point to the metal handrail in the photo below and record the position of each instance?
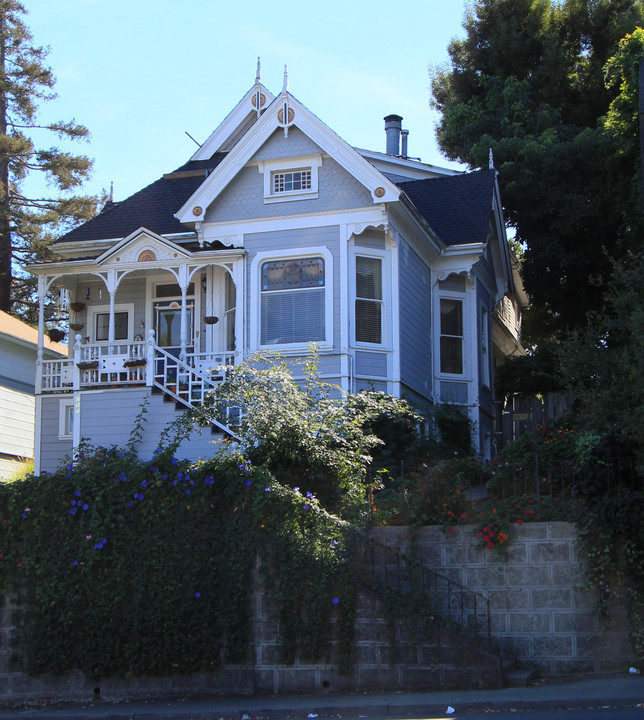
(436, 596)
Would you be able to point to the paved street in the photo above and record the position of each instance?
(591, 698)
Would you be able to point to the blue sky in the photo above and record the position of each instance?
(140, 73)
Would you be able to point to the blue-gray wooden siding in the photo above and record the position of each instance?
(108, 417)
(52, 450)
(371, 364)
(415, 321)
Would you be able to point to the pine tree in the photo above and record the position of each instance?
(28, 224)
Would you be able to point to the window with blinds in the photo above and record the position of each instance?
(368, 309)
(451, 338)
(292, 301)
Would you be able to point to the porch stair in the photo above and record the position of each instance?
(188, 386)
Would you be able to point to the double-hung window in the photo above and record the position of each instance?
(368, 307)
(292, 301)
(451, 336)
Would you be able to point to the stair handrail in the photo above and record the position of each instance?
(185, 375)
(461, 607)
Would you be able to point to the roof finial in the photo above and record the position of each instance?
(112, 191)
(258, 76)
(285, 86)
(491, 160)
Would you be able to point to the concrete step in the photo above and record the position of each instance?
(520, 677)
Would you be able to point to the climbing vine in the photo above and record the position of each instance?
(130, 567)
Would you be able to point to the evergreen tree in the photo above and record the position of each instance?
(528, 82)
(27, 224)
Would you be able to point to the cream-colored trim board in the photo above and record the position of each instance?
(37, 435)
(358, 219)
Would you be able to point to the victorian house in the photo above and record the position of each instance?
(276, 234)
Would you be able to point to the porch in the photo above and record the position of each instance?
(187, 378)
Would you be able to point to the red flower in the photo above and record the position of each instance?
(519, 522)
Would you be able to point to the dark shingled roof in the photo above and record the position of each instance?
(457, 207)
(152, 208)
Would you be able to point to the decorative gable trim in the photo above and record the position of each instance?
(245, 109)
(381, 189)
(143, 247)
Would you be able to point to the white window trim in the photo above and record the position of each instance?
(63, 407)
(304, 162)
(95, 310)
(256, 298)
(486, 370)
(468, 334)
(385, 258)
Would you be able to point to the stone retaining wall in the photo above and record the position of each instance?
(541, 613)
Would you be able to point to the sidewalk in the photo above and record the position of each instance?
(617, 690)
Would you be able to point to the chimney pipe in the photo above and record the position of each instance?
(404, 134)
(393, 128)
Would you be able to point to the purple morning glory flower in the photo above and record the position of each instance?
(73, 511)
(248, 482)
(197, 594)
(335, 600)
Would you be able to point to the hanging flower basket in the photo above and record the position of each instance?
(211, 319)
(56, 335)
(87, 365)
(77, 306)
(76, 326)
(134, 362)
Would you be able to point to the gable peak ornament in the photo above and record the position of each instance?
(259, 99)
(286, 114)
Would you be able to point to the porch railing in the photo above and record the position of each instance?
(136, 363)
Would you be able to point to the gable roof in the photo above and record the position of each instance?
(286, 106)
(15, 329)
(153, 207)
(457, 208)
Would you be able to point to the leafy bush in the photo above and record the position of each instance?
(306, 433)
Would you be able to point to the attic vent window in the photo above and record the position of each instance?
(290, 181)
(290, 178)
(147, 256)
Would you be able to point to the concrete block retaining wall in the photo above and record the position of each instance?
(541, 614)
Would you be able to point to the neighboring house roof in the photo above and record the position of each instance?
(16, 329)
(153, 207)
(457, 208)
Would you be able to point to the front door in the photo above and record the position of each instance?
(167, 317)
